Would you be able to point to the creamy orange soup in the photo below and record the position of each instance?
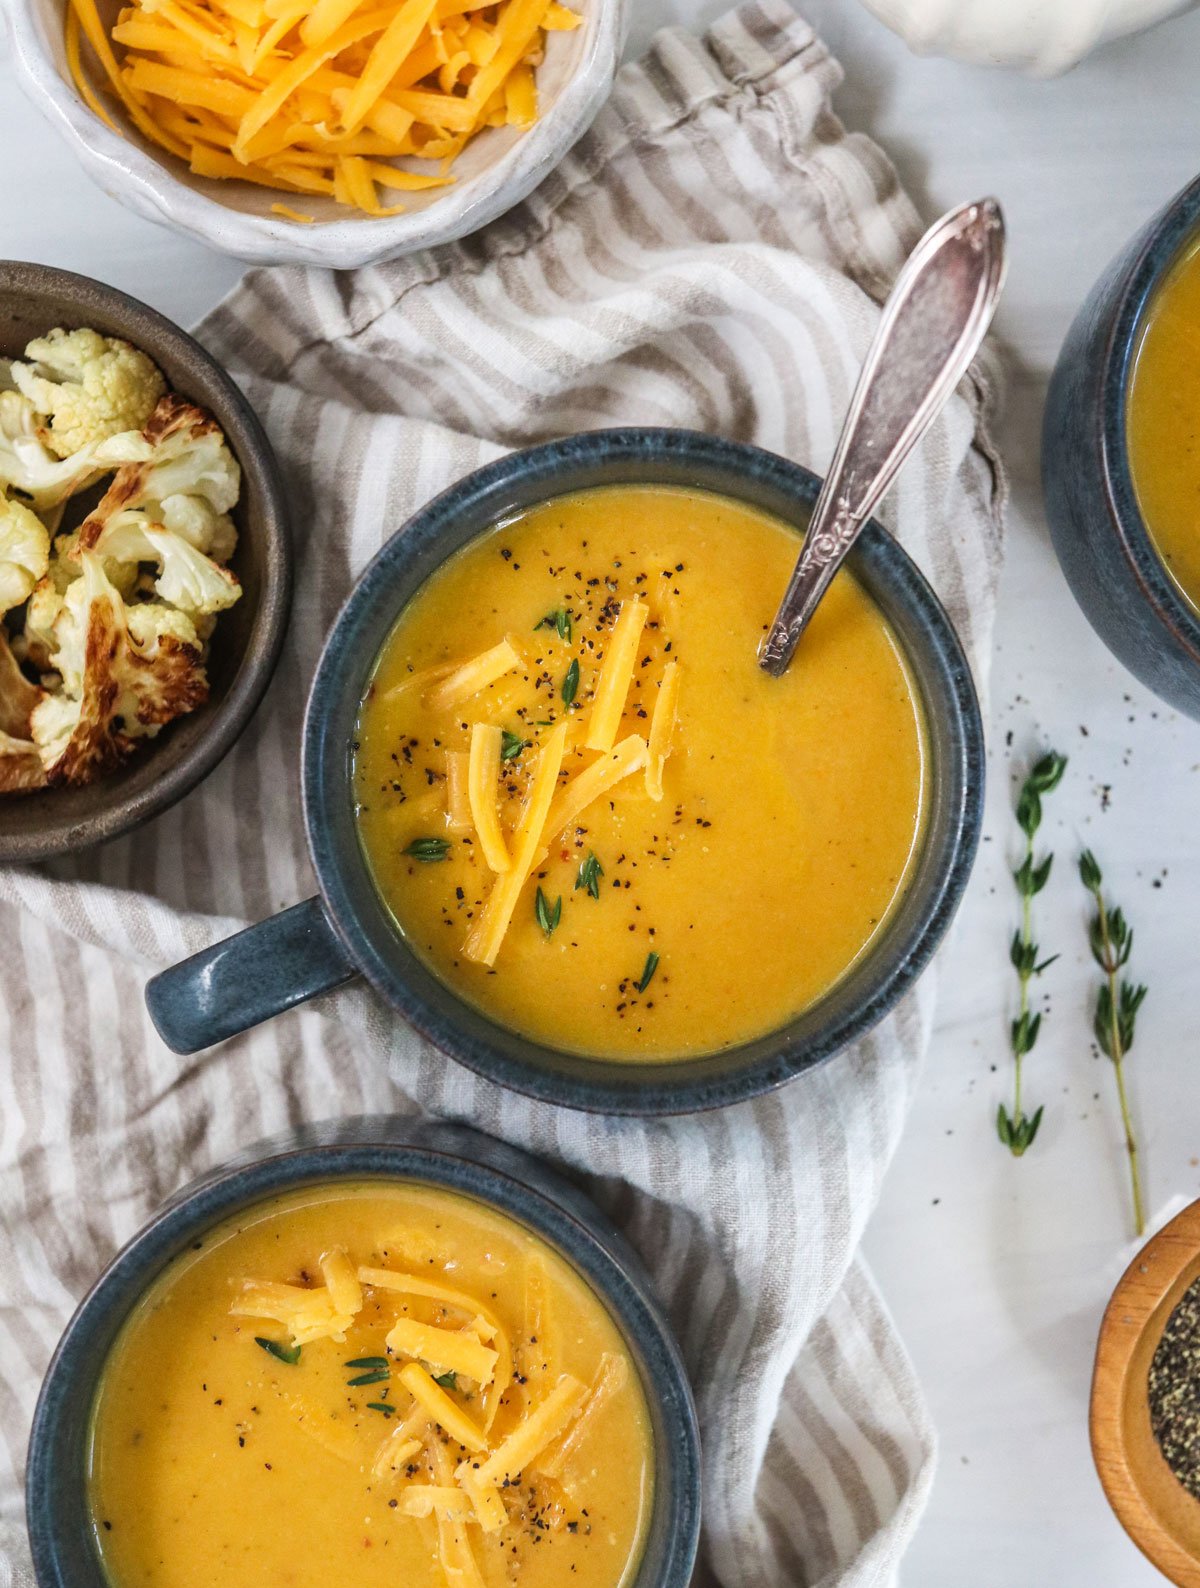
(1163, 424)
(591, 812)
(370, 1385)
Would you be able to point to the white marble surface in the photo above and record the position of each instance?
(997, 1271)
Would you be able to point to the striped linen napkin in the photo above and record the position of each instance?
(711, 255)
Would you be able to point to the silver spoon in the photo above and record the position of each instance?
(933, 322)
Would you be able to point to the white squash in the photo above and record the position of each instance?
(1040, 36)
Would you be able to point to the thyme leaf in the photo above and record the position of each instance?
(428, 849)
(570, 683)
(276, 1348)
(548, 915)
(648, 970)
(589, 876)
(559, 621)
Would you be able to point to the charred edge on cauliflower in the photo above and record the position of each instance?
(21, 769)
(18, 697)
(121, 688)
(172, 416)
(112, 672)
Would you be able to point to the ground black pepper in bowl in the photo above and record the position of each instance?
(1174, 1386)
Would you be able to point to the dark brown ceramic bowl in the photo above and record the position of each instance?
(246, 642)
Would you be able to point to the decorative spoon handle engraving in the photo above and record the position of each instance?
(932, 324)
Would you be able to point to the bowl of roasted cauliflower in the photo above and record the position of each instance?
(145, 569)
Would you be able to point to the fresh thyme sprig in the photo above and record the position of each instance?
(559, 621)
(375, 1376)
(570, 683)
(1017, 1130)
(429, 850)
(589, 876)
(1117, 1004)
(548, 915)
(648, 970)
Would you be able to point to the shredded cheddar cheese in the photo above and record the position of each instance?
(446, 1413)
(423, 1499)
(309, 1314)
(345, 1292)
(485, 1502)
(595, 781)
(315, 96)
(611, 1375)
(470, 677)
(458, 798)
(446, 1349)
(477, 1317)
(397, 1449)
(616, 674)
(484, 942)
(436, 1362)
(662, 727)
(531, 1436)
(483, 778)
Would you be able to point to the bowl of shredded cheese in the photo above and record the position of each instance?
(335, 133)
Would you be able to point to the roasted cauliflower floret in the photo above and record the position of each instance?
(186, 577)
(190, 457)
(153, 625)
(117, 614)
(30, 467)
(127, 691)
(24, 553)
(68, 635)
(64, 567)
(187, 483)
(53, 723)
(87, 387)
(197, 520)
(39, 640)
(18, 417)
(172, 511)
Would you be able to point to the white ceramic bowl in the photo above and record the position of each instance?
(1039, 37)
(495, 171)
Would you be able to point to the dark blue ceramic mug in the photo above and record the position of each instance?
(60, 1525)
(1099, 534)
(348, 930)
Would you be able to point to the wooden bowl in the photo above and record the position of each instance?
(1153, 1507)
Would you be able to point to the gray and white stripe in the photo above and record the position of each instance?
(710, 255)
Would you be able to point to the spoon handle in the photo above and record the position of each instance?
(932, 325)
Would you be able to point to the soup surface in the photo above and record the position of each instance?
(360, 1386)
(689, 852)
(1163, 423)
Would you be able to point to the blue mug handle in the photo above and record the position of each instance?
(247, 978)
